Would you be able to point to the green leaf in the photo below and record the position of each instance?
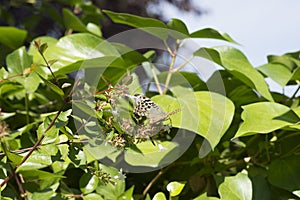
(212, 34)
(12, 37)
(85, 108)
(184, 79)
(72, 22)
(4, 115)
(279, 73)
(36, 160)
(50, 136)
(237, 64)
(53, 87)
(14, 158)
(73, 48)
(18, 60)
(289, 60)
(159, 196)
(175, 188)
(134, 20)
(261, 186)
(149, 25)
(283, 68)
(178, 26)
(43, 47)
(88, 183)
(45, 194)
(261, 118)
(111, 191)
(32, 82)
(205, 197)
(147, 155)
(284, 173)
(93, 28)
(92, 196)
(205, 113)
(238, 187)
(39, 174)
(100, 63)
(127, 195)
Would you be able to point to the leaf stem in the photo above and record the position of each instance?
(27, 107)
(183, 64)
(297, 90)
(156, 80)
(171, 67)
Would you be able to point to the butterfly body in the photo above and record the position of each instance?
(146, 108)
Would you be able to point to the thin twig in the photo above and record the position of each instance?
(38, 46)
(23, 194)
(14, 76)
(160, 173)
(156, 79)
(170, 72)
(172, 64)
(297, 90)
(37, 144)
(183, 64)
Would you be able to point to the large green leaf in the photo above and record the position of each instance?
(205, 113)
(134, 20)
(283, 68)
(18, 60)
(73, 48)
(153, 26)
(210, 33)
(12, 37)
(279, 73)
(264, 117)
(284, 173)
(236, 63)
(148, 155)
(36, 160)
(238, 187)
(39, 174)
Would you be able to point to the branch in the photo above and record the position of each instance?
(152, 182)
(37, 144)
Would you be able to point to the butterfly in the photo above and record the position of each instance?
(144, 107)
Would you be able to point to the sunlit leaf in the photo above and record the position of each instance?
(210, 33)
(175, 188)
(236, 63)
(88, 183)
(262, 117)
(238, 187)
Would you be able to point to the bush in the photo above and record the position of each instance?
(93, 137)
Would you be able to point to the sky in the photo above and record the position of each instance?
(261, 27)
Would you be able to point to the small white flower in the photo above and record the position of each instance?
(120, 175)
(161, 147)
